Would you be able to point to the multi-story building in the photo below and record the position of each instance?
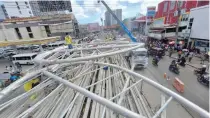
(167, 10)
(83, 30)
(40, 8)
(118, 13)
(16, 9)
(165, 20)
(37, 27)
(107, 19)
(31, 8)
(198, 28)
(110, 20)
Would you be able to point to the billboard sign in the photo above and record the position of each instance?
(151, 11)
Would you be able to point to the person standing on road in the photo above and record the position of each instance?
(170, 51)
(191, 54)
(68, 40)
(179, 54)
(202, 58)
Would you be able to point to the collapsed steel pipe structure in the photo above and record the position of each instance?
(87, 86)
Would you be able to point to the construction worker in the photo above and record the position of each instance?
(68, 40)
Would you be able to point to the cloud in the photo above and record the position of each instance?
(78, 10)
(131, 1)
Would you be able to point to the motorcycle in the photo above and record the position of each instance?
(204, 79)
(198, 72)
(154, 62)
(174, 69)
(182, 64)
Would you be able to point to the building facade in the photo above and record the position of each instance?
(36, 27)
(40, 8)
(110, 20)
(198, 28)
(167, 10)
(17, 9)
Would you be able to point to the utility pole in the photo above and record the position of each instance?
(177, 25)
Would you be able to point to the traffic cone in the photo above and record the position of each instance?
(164, 75)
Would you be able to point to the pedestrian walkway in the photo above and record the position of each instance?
(195, 62)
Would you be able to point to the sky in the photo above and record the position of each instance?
(90, 11)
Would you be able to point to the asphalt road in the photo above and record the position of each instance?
(193, 91)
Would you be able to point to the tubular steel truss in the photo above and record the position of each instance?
(93, 81)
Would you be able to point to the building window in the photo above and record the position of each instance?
(31, 35)
(181, 3)
(29, 12)
(191, 19)
(28, 29)
(27, 6)
(47, 29)
(18, 7)
(26, 3)
(20, 12)
(172, 5)
(18, 33)
(183, 11)
(190, 23)
(175, 13)
(16, 3)
(165, 6)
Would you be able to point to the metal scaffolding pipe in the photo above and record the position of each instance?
(40, 59)
(121, 110)
(179, 98)
(17, 83)
(162, 108)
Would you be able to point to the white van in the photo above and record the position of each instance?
(139, 58)
(26, 58)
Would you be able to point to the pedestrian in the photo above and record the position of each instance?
(179, 54)
(202, 58)
(170, 51)
(8, 69)
(68, 40)
(191, 54)
(19, 67)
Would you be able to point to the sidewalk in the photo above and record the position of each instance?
(195, 62)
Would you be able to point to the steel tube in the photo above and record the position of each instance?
(17, 83)
(107, 103)
(162, 108)
(40, 59)
(179, 98)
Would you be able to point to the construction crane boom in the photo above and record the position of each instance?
(118, 20)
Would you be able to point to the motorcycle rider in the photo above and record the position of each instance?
(183, 60)
(203, 69)
(156, 59)
(174, 64)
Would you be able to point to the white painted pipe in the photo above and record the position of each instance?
(179, 98)
(107, 103)
(17, 83)
(41, 60)
(162, 108)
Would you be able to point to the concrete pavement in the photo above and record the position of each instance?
(195, 62)
(194, 91)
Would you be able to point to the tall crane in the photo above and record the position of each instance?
(118, 20)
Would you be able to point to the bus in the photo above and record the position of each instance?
(26, 58)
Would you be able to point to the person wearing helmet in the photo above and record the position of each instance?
(156, 59)
(203, 69)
